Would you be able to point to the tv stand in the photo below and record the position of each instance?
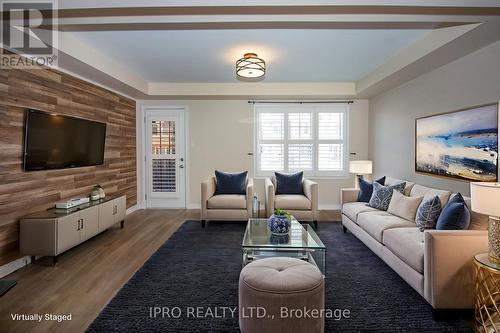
(54, 231)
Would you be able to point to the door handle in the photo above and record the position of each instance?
(83, 223)
(181, 166)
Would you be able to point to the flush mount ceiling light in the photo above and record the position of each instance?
(250, 66)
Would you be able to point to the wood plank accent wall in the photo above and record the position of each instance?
(25, 192)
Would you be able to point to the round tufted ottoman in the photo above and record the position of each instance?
(281, 295)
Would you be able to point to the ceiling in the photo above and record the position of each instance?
(157, 49)
(316, 55)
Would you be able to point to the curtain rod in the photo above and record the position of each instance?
(303, 102)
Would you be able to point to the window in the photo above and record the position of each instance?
(311, 138)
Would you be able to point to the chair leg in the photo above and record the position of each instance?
(344, 229)
(315, 225)
(203, 223)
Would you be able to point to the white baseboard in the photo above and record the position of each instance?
(13, 266)
(133, 209)
(193, 206)
(329, 207)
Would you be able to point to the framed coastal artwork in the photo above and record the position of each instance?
(461, 144)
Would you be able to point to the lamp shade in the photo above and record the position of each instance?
(360, 167)
(485, 198)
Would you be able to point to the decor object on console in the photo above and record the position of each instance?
(100, 189)
(485, 199)
(94, 194)
(487, 306)
(360, 168)
(461, 144)
(250, 66)
(279, 222)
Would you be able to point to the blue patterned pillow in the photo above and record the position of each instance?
(428, 213)
(366, 188)
(382, 195)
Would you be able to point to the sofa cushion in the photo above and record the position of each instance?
(366, 188)
(227, 201)
(289, 183)
(292, 201)
(403, 206)
(428, 213)
(393, 181)
(455, 215)
(230, 183)
(429, 193)
(382, 195)
(375, 223)
(352, 209)
(408, 245)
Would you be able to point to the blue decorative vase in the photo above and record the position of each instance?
(279, 239)
(279, 224)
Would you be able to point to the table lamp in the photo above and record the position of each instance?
(360, 168)
(485, 199)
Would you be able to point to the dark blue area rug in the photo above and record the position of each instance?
(200, 268)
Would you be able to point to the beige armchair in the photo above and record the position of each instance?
(302, 207)
(225, 206)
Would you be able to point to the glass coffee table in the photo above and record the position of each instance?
(301, 242)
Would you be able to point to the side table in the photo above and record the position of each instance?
(487, 304)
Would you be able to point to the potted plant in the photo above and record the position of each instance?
(279, 222)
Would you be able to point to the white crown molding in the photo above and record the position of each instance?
(312, 89)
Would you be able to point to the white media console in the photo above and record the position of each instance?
(51, 232)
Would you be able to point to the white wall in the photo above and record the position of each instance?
(468, 81)
(220, 136)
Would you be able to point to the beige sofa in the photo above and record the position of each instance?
(438, 264)
(225, 206)
(302, 207)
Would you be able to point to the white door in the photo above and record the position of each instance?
(165, 159)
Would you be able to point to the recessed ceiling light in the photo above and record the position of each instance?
(250, 66)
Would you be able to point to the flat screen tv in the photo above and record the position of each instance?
(54, 141)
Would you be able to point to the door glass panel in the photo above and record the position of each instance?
(164, 175)
(163, 137)
(163, 156)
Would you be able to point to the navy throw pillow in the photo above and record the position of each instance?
(230, 183)
(455, 215)
(457, 198)
(289, 184)
(366, 188)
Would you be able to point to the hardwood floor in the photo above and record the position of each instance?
(89, 275)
